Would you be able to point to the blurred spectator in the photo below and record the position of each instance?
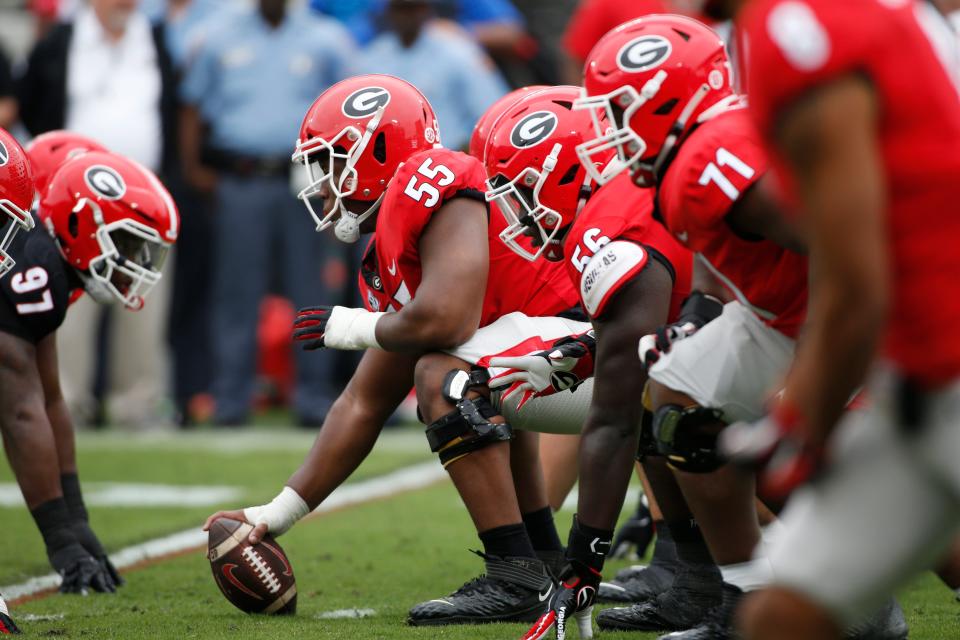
(592, 19)
(253, 79)
(8, 102)
(495, 24)
(458, 80)
(106, 74)
(546, 21)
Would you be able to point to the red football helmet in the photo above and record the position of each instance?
(534, 174)
(478, 139)
(114, 223)
(354, 138)
(652, 78)
(16, 194)
(49, 150)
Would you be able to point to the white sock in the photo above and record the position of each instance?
(748, 576)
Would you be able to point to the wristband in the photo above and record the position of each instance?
(351, 329)
(279, 514)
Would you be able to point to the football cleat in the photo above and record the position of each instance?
(635, 535)
(512, 590)
(695, 591)
(718, 623)
(886, 624)
(7, 626)
(643, 582)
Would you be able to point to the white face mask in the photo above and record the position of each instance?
(342, 185)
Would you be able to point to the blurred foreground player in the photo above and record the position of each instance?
(864, 126)
(108, 224)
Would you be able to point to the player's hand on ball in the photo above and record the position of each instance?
(255, 536)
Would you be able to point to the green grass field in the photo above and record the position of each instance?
(382, 556)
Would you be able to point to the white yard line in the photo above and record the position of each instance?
(410, 478)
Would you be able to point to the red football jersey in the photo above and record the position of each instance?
(719, 161)
(796, 47)
(391, 270)
(612, 240)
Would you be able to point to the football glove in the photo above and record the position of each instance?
(336, 327)
(698, 309)
(565, 365)
(577, 591)
(775, 446)
(80, 571)
(89, 541)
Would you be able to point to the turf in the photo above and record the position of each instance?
(386, 556)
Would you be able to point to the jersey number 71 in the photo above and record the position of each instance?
(712, 173)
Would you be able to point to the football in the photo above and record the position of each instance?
(254, 578)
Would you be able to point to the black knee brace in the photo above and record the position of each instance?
(687, 437)
(467, 428)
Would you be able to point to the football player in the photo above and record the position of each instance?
(51, 149)
(664, 85)
(631, 276)
(370, 146)
(864, 124)
(108, 224)
(16, 198)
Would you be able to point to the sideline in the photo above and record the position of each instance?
(407, 479)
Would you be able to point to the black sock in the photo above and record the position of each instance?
(691, 549)
(542, 530)
(53, 520)
(510, 541)
(70, 483)
(664, 549)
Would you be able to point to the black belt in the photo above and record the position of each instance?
(247, 166)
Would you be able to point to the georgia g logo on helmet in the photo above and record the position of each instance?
(365, 102)
(4, 154)
(533, 129)
(105, 182)
(643, 53)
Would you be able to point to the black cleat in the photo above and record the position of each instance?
(718, 623)
(643, 582)
(886, 624)
(635, 535)
(513, 590)
(694, 592)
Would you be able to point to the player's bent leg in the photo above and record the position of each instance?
(723, 502)
(780, 614)
(634, 536)
(479, 466)
(695, 585)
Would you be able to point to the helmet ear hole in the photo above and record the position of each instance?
(570, 174)
(666, 107)
(380, 148)
(73, 224)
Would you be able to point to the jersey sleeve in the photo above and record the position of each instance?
(713, 169)
(796, 45)
(430, 179)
